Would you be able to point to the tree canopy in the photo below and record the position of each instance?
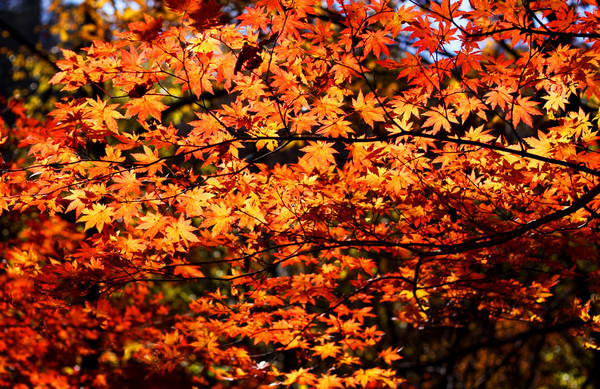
(306, 194)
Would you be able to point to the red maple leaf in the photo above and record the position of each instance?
(204, 14)
(147, 30)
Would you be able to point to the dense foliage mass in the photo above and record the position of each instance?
(309, 194)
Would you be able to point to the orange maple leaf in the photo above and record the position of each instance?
(106, 113)
(389, 355)
(522, 110)
(150, 159)
(367, 109)
(327, 350)
(181, 231)
(330, 381)
(541, 145)
(319, 154)
(439, 119)
(152, 223)
(376, 43)
(498, 97)
(144, 106)
(220, 219)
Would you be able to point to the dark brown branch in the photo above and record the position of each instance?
(507, 236)
(535, 31)
(443, 138)
(480, 242)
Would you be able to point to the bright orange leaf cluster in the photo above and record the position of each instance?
(294, 169)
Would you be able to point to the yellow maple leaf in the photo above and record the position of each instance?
(479, 135)
(106, 112)
(99, 215)
(555, 100)
(301, 376)
(540, 145)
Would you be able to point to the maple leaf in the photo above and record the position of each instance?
(97, 216)
(131, 245)
(467, 105)
(249, 57)
(498, 97)
(182, 5)
(203, 14)
(78, 201)
(139, 90)
(327, 350)
(523, 108)
(254, 210)
(106, 113)
(479, 135)
(336, 128)
(329, 381)
(376, 43)
(319, 154)
(541, 145)
(126, 183)
(194, 202)
(389, 355)
(255, 17)
(301, 376)
(556, 100)
(181, 230)
(149, 29)
(144, 106)
(439, 119)
(149, 159)
(152, 223)
(366, 376)
(376, 375)
(220, 219)
(367, 109)
(71, 74)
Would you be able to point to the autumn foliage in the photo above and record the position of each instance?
(287, 195)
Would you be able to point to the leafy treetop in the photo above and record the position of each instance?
(298, 170)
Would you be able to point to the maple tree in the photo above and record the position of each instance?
(287, 194)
